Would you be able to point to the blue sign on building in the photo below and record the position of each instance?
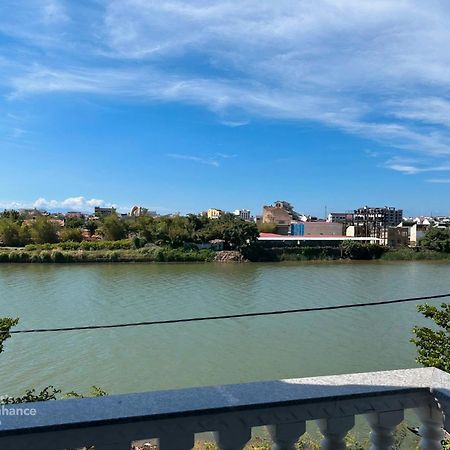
(297, 229)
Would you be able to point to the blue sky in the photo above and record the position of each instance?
(184, 105)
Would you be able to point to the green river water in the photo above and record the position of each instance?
(206, 353)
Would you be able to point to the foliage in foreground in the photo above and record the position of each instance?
(32, 395)
(433, 345)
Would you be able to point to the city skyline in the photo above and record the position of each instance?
(322, 103)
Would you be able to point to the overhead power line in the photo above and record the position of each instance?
(228, 316)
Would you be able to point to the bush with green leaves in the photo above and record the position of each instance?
(71, 235)
(436, 239)
(362, 251)
(113, 228)
(43, 231)
(433, 344)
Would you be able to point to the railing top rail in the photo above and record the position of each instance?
(65, 414)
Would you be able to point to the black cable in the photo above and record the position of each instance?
(229, 316)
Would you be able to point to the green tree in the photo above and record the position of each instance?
(91, 226)
(436, 239)
(10, 232)
(71, 234)
(11, 214)
(73, 222)
(237, 233)
(43, 231)
(146, 227)
(113, 229)
(173, 231)
(24, 234)
(433, 345)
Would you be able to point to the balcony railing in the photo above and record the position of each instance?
(231, 411)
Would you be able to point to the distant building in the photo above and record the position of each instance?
(397, 237)
(244, 214)
(416, 231)
(58, 222)
(375, 221)
(340, 217)
(30, 213)
(281, 214)
(74, 214)
(319, 228)
(214, 213)
(137, 211)
(104, 212)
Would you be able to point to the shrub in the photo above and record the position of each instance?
(4, 257)
(71, 234)
(138, 242)
(433, 345)
(436, 239)
(113, 256)
(358, 250)
(45, 256)
(58, 257)
(43, 231)
(19, 256)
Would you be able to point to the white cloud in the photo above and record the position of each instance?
(196, 159)
(11, 205)
(374, 69)
(72, 203)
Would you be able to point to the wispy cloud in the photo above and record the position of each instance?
(379, 70)
(196, 159)
(234, 123)
(410, 166)
(439, 180)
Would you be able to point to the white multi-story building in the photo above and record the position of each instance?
(244, 214)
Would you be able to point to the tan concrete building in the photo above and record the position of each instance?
(214, 213)
(323, 229)
(279, 214)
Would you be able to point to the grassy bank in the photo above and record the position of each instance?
(116, 251)
(409, 254)
(333, 254)
(130, 250)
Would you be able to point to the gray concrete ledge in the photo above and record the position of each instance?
(121, 409)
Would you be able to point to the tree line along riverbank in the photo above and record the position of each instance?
(179, 239)
(130, 250)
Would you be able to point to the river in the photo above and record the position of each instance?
(205, 353)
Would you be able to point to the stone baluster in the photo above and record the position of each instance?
(176, 441)
(431, 431)
(383, 425)
(233, 437)
(119, 445)
(334, 431)
(286, 435)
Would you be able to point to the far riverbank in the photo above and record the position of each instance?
(123, 251)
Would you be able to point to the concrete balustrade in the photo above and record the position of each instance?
(231, 411)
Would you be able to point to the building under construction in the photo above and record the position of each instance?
(374, 222)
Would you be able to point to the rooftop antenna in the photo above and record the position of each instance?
(326, 212)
